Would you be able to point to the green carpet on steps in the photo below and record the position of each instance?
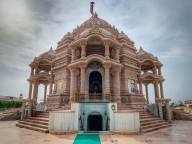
(87, 139)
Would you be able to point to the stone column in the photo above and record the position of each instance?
(139, 68)
(45, 94)
(32, 70)
(114, 84)
(73, 54)
(30, 102)
(136, 88)
(23, 108)
(140, 87)
(34, 89)
(72, 84)
(155, 69)
(35, 94)
(160, 109)
(82, 88)
(55, 87)
(168, 110)
(50, 87)
(36, 69)
(117, 53)
(107, 80)
(83, 50)
(30, 90)
(161, 89)
(107, 54)
(159, 71)
(147, 97)
(117, 97)
(156, 89)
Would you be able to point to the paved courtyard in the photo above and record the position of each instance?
(180, 132)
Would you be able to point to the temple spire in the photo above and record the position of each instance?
(91, 7)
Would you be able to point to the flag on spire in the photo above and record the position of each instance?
(91, 7)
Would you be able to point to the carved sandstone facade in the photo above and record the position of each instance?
(96, 58)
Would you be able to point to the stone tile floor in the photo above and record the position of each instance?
(180, 132)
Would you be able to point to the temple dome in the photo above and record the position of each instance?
(141, 55)
(95, 21)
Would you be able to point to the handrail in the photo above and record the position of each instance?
(107, 127)
(82, 129)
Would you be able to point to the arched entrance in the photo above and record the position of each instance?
(95, 82)
(94, 122)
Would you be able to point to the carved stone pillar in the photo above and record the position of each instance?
(117, 53)
(139, 68)
(73, 54)
(107, 54)
(168, 111)
(34, 89)
(140, 87)
(72, 84)
(30, 102)
(30, 90)
(147, 97)
(161, 89)
(36, 69)
(50, 87)
(83, 50)
(160, 109)
(136, 88)
(156, 89)
(55, 87)
(159, 71)
(45, 94)
(82, 88)
(36, 94)
(32, 70)
(155, 69)
(117, 97)
(107, 80)
(23, 108)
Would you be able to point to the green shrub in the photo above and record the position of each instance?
(1, 104)
(182, 109)
(3, 109)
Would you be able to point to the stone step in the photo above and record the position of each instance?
(148, 119)
(37, 122)
(153, 125)
(144, 117)
(7, 114)
(34, 124)
(149, 122)
(39, 119)
(43, 116)
(155, 128)
(32, 128)
(44, 113)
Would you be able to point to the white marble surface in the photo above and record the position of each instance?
(62, 121)
(126, 121)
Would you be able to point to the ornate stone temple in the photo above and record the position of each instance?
(96, 73)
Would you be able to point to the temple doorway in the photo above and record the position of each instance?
(94, 122)
(95, 82)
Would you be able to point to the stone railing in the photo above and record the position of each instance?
(92, 97)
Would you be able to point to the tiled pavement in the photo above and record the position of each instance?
(180, 132)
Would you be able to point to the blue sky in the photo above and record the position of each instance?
(29, 28)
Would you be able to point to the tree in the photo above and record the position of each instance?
(1, 104)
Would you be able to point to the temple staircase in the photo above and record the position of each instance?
(148, 122)
(38, 123)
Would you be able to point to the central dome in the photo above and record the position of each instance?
(95, 21)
